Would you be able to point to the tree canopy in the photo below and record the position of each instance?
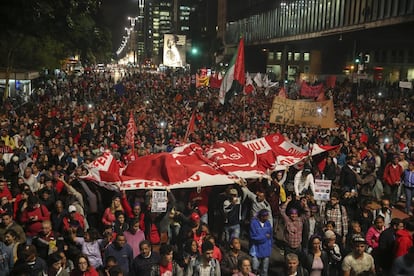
(39, 34)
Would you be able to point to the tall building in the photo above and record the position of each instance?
(163, 17)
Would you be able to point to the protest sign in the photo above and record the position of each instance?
(322, 189)
(291, 112)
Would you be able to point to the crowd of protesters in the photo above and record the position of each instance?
(54, 223)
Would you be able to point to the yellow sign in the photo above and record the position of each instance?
(291, 112)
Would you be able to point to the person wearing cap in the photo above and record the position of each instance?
(408, 179)
(73, 220)
(232, 214)
(333, 251)
(304, 182)
(358, 261)
(261, 242)
(392, 179)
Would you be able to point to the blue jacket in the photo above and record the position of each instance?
(261, 239)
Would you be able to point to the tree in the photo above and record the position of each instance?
(39, 34)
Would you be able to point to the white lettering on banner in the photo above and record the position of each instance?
(292, 148)
(287, 160)
(141, 184)
(259, 146)
(233, 156)
(103, 162)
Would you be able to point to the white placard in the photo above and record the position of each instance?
(322, 189)
(406, 84)
(159, 201)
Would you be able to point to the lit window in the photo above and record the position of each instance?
(296, 57)
(278, 55)
(290, 56)
(306, 56)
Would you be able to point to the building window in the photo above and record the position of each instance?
(271, 55)
(278, 55)
(290, 56)
(296, 57)
(306, 56)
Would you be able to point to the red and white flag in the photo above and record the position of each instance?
(190, 128)
(130, 132)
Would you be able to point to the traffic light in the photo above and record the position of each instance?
(194, 51)
(358, 58)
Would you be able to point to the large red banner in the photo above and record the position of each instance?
(189, 166)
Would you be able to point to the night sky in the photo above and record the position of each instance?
(115, 17)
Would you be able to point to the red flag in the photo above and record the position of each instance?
(239, 74)
(309, 90)
(282, 93)
(330, 81)
(130, 132)
(190, 128)
(234, 79)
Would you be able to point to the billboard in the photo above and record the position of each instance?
(174, 50)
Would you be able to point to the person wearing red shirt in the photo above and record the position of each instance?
(74, 220)
(404, 238)
(392, 178)
(166, 266)
(33, 216)
(4, 190)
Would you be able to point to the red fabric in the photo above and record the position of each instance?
(215, 82)
(78, 217)
(164, 269)
(190, 128)
(310, 91)
(130, 132)
(403, 242)
(154, 237)
(34, 227)
(6, 193)
(392, 174)
(282, 93)
(330, 81)
(239, 72)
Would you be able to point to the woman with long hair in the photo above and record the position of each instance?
(317, 260)
(83, 267)
(109, 217)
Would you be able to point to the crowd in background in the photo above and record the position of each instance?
(54, 222)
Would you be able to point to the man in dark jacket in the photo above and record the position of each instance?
(121, 251)
(145, 260)
(387, 244)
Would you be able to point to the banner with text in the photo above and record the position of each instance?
(322, 189)
(291, 112)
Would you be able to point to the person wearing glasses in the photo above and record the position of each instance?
(83, 267)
